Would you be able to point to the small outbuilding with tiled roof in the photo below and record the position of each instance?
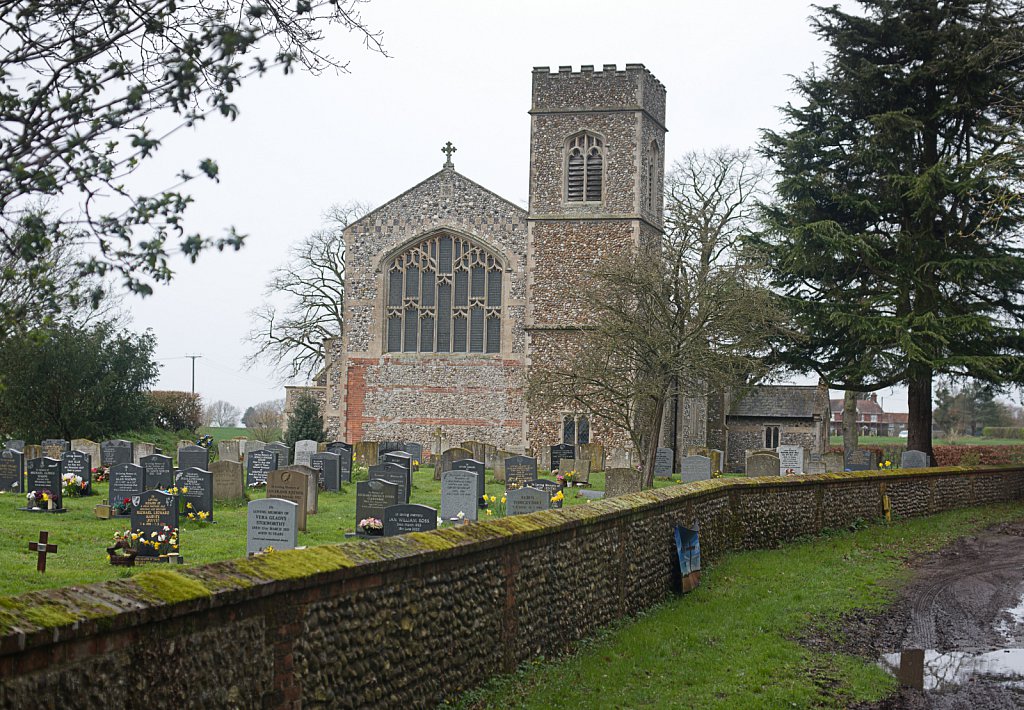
(766, 416)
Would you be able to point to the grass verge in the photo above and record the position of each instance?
(729, 643)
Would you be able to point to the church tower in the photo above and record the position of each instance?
(597, 167)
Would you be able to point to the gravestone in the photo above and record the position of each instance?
(815, 467)
(12, 466)
(366, 453)
(695, 468)
(717, 460)
(32, 451)
(594, 453)
(393, 473)
(459, 494)
(271, 522)
(559, 452)
(78, 463)
(498, 465)
(861, 460)
(522, 501)
(153, 511)
(344, 452)
(229, 450)
(762, 465)
(833, 462)
(326, 466)
(251, 445)
(914, 459)
(476, 467)
(193, 456)
(115, 451)
(44, 475)
(16, 444)
(580, 467)
(552, 488)
(619, 457)
(372, 497)
(448, 457)
(54, 448)
(304, 450)
(87, 446)
(402, 458)
(142, 449)
(293, 486)
(399, 519)
(622, 481)
(284, 454)
(200, 490)
(257, 465)
(126, 481)
(664, 459)
(227, 480)
(519, 470)
(158, 472)
(313, 481)
(791, 458)
(477, 449)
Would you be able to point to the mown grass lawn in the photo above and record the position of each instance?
(82, 538)
(729, 644)
(959, 441)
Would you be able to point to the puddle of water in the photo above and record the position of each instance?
(957, 667)
(1016, 614)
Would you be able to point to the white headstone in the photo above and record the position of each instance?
(272, 522)
(304, 450)
(791, 459)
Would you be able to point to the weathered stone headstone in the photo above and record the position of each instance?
(522, 501)
(552, 488)
(594, 453)
(448, 457)
(284, 454)
(251, 445)
(762, 465)
(619, 457)
(200, 491)
(815, 467)
(271, 522)
(833, 462)
(477, 449)
(559, 452)
(229, 450)
(115, 451)
(695, 468)
(227, 480)
(372, 497)
(326, 466)
(476, 467)
(861, 460)
(664, 460)
(366, 453)
(54, 448)
(579, 467)
(914, 459)
(142, 449)
(153, 512)
(399, 519)
(459, 495)
(498, 465)
(126, 481)
(193, 456)
(393, 473)
(44, 475)
(313, 483)
(257, 465)
(304, 450)
(78, 463)
(87, 446)
(717, 457)
(293, 486)
(12, 465)
(16, 444)
(519, 470)
(791, 459)
(158, 472)
(32, 451)
(622, 481)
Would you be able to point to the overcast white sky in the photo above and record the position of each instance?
(458, 70)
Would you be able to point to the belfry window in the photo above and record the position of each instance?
(443, 295)
(584, 168)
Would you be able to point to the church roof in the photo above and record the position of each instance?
(781, 401)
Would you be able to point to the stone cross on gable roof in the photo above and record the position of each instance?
(448, 149)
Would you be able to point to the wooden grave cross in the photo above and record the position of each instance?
(42, 547)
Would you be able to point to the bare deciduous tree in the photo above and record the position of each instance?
(266, 421)
(311, 284)
(221, 414)
(690, 317)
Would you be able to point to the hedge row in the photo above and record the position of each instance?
(952, 455)
(1003, 432)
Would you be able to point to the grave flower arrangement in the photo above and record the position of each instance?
(261, 484)
(206, 441)
(196, 516)
(100, 474)
(74, 485)
(495, 507)
(164, 541)
(558, 497)
(567, 479)
(885, 465)
(124, 549)
(371, 526)
(179, 491)
(122, 507)
(38, 499)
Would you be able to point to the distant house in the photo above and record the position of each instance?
(770, 415)
(871, 419)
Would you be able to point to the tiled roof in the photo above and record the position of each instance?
(793, 401)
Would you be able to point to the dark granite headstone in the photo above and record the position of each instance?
(44, 475)
(550, 487)
(393, 473)
(345, 453)
(284, 454)
(326, 465)
(519, 470)
(402, 458)
(476, 467)
(372, 497)
(861, 460)
(115, 451)
(562, 451)
(664, 460)
(914, 459)
(459, 495)
(194, 457)
(200, 490)
(257, 465)
(153, 512)
(126, 480)
(78, 463)
(12, 466)
(526, 500)
(399, 519)
(158, 472)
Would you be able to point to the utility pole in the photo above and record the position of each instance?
(193, 358)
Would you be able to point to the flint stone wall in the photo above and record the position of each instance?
(492, 595)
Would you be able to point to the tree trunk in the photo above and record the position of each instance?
(652, 442)
(919, 401)
(849, 423)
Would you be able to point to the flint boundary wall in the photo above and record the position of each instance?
(412, 620)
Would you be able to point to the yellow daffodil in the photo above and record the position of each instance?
(493, 498)
(503, 499)
(188, 505)
(203, 515)
(490, 512)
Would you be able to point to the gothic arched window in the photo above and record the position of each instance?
(584, 168)
(444, 295)
(575, 429)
